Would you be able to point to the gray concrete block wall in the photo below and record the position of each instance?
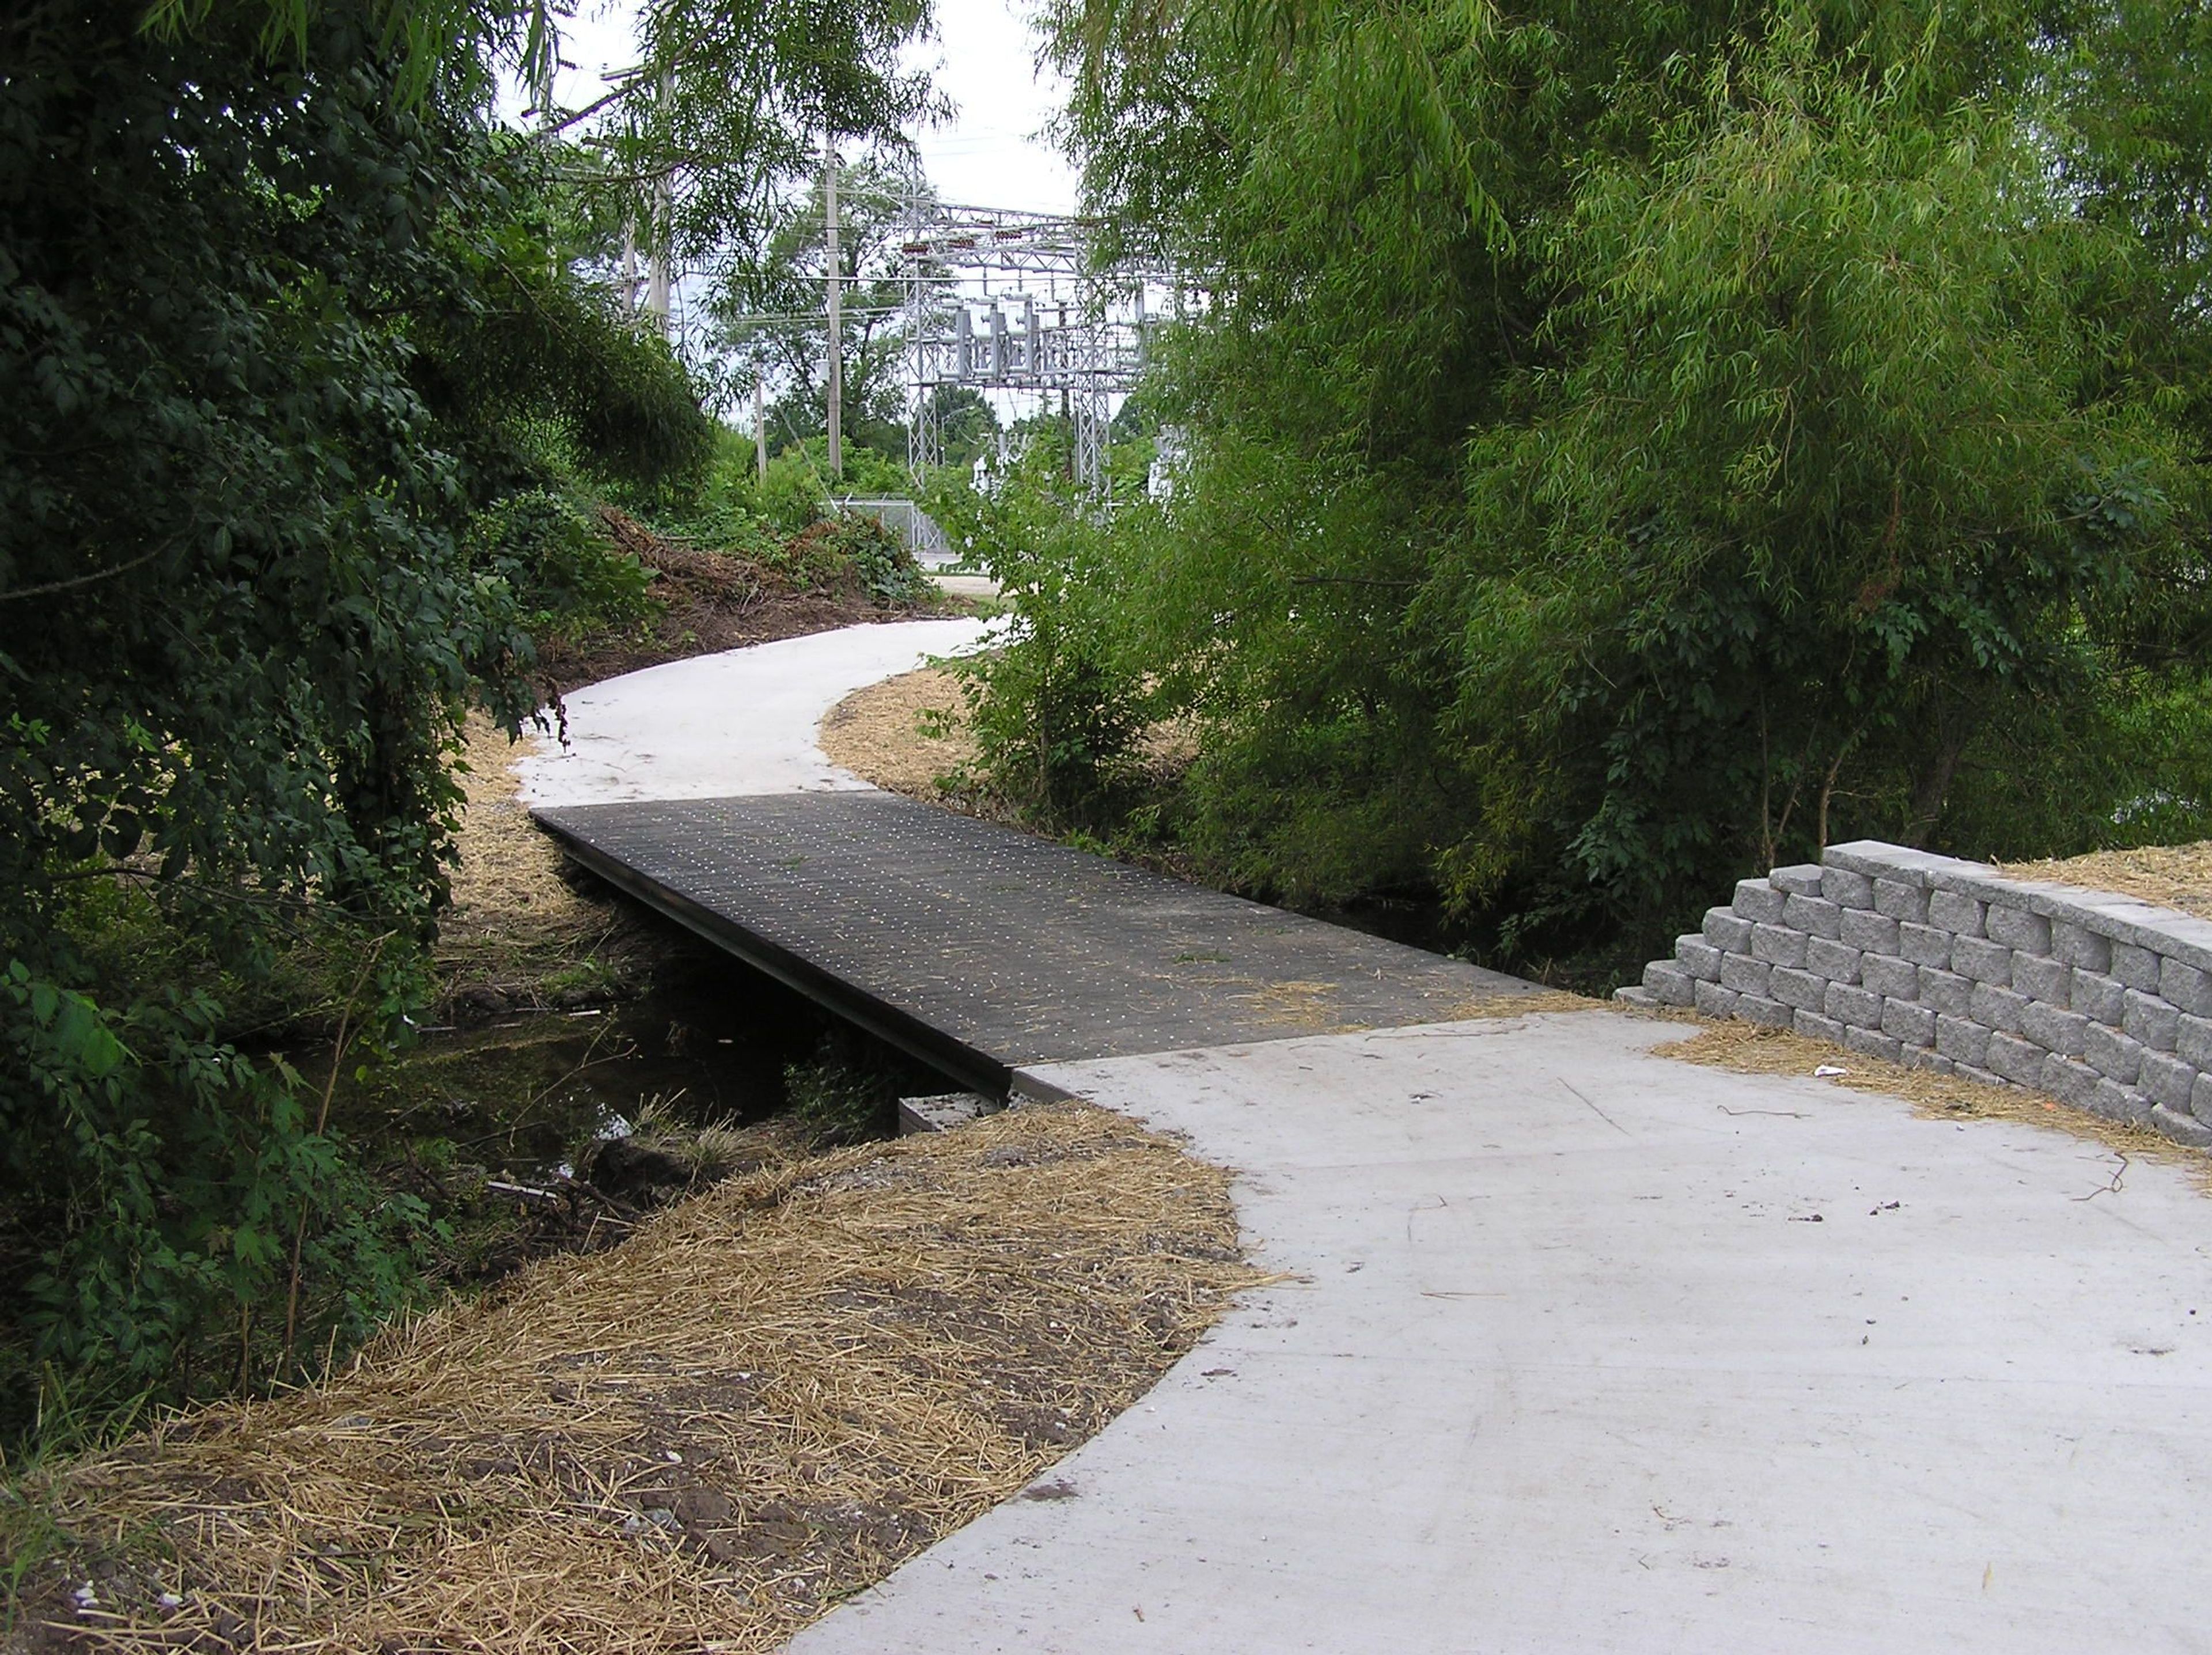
(2099, 1001)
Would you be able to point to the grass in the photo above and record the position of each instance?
(32, 1541)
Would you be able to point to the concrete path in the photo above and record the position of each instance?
(1587, 1349)
(740, 723)
(1590, 1349)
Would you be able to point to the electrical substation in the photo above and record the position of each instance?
(1002, 299)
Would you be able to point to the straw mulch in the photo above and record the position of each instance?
(703, 1439)
(877, 735)
(1749, 1049)
(1542, 1002)
(515, 919)
(506, 876)
(2173, 876)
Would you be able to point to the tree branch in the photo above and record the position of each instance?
(97, 575)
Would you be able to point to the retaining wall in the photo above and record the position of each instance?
(2101, 1001)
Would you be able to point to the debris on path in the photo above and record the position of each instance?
(1747, 1049)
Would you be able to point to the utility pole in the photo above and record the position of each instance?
(760, 428)
(836, 324)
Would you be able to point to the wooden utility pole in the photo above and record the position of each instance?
(760, 428)
(836, 324)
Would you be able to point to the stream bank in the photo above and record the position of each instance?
(584, 1061)
(544, 1130)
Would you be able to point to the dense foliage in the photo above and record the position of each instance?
(1055, 718)
(1628, 445)
(297, 394)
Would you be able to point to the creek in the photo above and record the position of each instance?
(523, 1095)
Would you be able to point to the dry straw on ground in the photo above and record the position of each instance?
(506, 874)
(514, 917)
(1749, 1049)
(1542, 1002)
(2173, 876)
(877, 732)
(700, 1440)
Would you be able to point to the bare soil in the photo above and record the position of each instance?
(705, 1437)
(711, 601)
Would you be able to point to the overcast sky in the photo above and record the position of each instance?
(982, 56)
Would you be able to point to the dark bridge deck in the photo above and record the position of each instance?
(982, 949)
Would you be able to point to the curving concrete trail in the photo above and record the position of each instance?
(1584, 1349)
(1593, 1350)
(740, 723)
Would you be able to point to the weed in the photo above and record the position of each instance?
(842, 1094)
(71, 1419)
(589, 978)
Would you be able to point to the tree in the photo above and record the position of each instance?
(769, 307)
(967, 424)
(280, 330)
(1609, 425)
(697, 146)
(1821, 499)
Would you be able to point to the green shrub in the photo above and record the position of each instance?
(568, 577)
(1055, 712)
(853, 549)
(790, 496)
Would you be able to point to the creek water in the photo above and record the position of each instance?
(521, 1094)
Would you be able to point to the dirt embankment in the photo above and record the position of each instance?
(713, 600)
(518, 926)
(707, 1437)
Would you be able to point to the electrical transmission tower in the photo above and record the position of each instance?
(1000, 299)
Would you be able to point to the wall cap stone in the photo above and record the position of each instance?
(2116, 918)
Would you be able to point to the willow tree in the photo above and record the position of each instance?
(1631, 442)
